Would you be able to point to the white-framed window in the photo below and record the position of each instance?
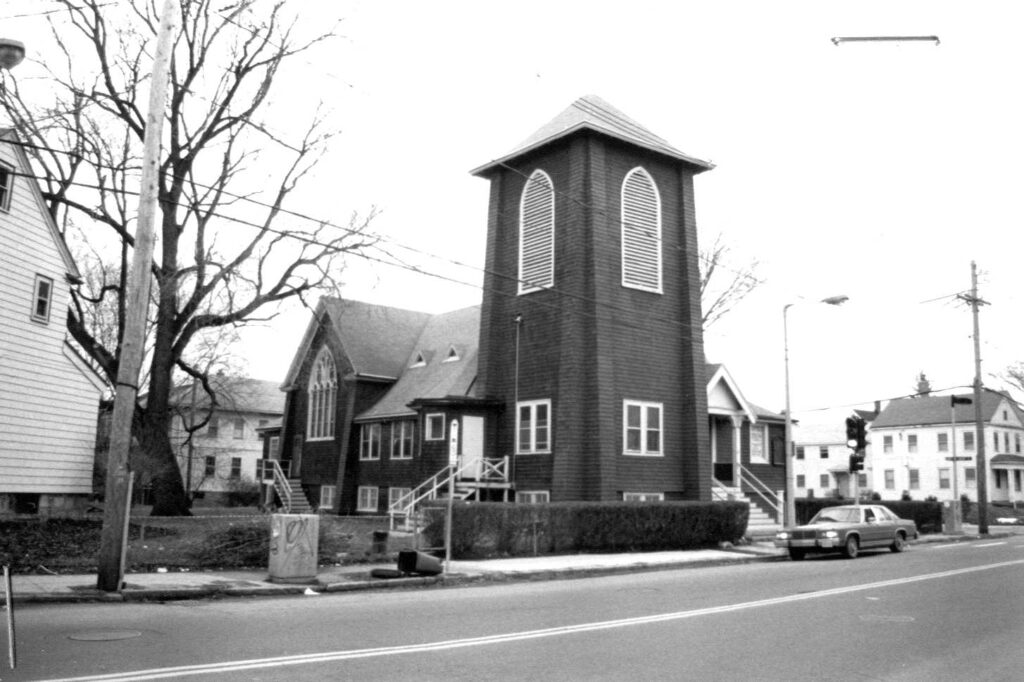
(537, 234)
(641, 427)
(6, 186)
(822, 452)
(239, 430)
(366, 498)
(915, 479)
(210, 466)
(801, 480)
(890, 479)
(887, 444)
(862, 481)
(824, 481)
(369, 441)
(402, 439)
(970, 477)
(42, 299)
(943, 443)
(274, 446)
(643, 497)
(323, 394)
(758, 443)
(533, 427)
(800, 452)
(969, 441)
(435, 427)
(1016, 443)
(395, 494)
(213, 428)
(641, 232)
(236, 467)
(533, 496)
(944, 480)
(327, 493)
(912, 443)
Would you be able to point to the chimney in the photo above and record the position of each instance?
(923, 387)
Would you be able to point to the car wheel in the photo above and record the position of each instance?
(851, 548)
(796, 554)
(899, 543)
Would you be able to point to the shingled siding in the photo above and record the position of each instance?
(772, 474)
(591, 343)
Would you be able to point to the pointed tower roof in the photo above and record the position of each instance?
(593, 113)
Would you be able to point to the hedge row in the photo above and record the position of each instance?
(504, 529)
(927, 515)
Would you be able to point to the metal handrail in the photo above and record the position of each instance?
(761, 489)
(486, 470)
(278, 478)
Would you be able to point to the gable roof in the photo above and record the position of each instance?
(378, 340)
(438, 377)
(10, 136)
(934, 410)
(593, 113)
(716, 373)
(234, 394)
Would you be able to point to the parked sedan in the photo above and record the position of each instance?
(848, 529)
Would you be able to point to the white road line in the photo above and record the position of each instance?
(992, 544)
(280, 661)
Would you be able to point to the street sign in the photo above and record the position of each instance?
(959, 459)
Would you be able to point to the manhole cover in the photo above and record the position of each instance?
(105, 635)
(888, 619)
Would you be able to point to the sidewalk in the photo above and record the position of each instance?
(172, 586)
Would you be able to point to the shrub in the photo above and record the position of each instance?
(242, 493)
(504, 529)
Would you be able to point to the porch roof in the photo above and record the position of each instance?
(1008, 461)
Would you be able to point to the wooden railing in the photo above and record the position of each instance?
(479, 470)
(270, 472)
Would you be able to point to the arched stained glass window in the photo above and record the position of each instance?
(641, 232)
(537, 234)
(323, 395)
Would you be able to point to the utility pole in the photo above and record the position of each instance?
(979, 423)
(115, 517)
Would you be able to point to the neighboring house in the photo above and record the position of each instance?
(747, 447)
(225, 450)
(821, 466)
(580, 377)
(50, 397)
(913, 441)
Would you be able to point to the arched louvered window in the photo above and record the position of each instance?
(323, 395)
(537, 234)
(641, 232)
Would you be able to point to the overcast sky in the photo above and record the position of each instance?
(878, 171)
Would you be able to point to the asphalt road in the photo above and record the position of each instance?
(936, 612)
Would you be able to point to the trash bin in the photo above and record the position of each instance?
(951, 519)
(411, 561)
(294, 547)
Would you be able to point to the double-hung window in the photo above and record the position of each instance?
(943, 442)
(6, 185)
(236, 467)
(366, 498)
(369, 442)
(402, 439)
(435, 427)
(533, 427)
(912, 443)
(758, 441)
(641, 428)
(42, 299)
(643, 497)
(327, 496)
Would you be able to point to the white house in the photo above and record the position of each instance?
(822, 459)
(914, 444)
(49, 397)
(224, 451)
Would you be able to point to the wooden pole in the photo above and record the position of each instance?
(11, 655)
(109, 576)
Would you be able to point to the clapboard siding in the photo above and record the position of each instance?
(48, 403)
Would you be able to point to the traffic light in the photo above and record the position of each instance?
(856, 462)
(856, 433)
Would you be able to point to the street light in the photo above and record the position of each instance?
(11, 53)
(789, 518)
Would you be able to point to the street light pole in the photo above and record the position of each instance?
(789, 518)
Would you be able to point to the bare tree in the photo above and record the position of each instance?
(722, 286)
(229, 248)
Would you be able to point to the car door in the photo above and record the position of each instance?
(879, 528)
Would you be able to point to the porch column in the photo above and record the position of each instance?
(737, 446)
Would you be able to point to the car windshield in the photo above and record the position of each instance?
(837, 515)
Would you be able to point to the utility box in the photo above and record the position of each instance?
(951, 520)
(294, 548)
